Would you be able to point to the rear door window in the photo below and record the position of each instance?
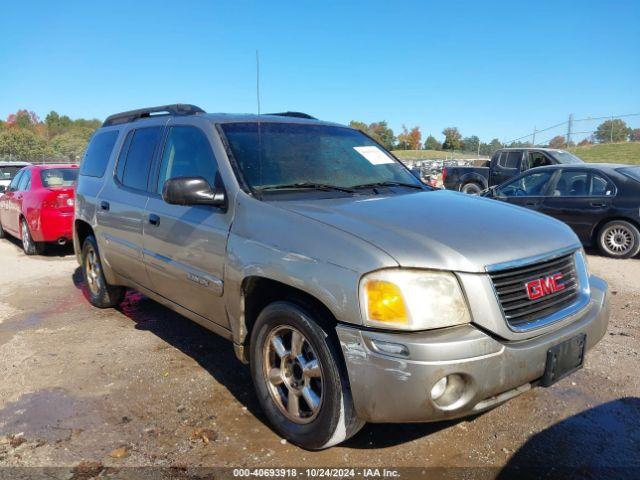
(98, 152)
(135, 160)
(510, 159)
(572, 183)
(13, 186)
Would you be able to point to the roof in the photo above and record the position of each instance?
(192, 111)
(544, 149)
(47, 166)
(14, 164)
(585, 166)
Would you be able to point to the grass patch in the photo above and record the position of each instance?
(625, 152)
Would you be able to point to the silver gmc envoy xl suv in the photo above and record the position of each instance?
(356, 293)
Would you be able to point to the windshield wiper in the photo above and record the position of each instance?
(307, 186)
(388, 184)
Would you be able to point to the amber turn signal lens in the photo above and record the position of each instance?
(385, 302)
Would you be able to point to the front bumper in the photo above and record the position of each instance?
(394, 388)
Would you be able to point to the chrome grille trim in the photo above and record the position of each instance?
(520, 313)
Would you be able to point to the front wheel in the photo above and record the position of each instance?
(619, 239)
(299, 379)
(471, 188)
(101, 293)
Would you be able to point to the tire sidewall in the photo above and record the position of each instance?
(634, 232)
(320, 431)
(100, 298)
(29, 248)
(474, 186)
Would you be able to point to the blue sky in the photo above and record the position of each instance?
(494, 69)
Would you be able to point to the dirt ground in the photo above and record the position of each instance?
(143, 386)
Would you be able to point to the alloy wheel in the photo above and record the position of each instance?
(92, 269)
(618, 239)
(293, 374)
(26, 238)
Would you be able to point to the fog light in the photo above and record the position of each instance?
(452, 391)
(439, 388)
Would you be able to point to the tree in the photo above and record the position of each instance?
(56, 124)
(452, 139)
(379, 131)
(409, 139)
(612, 131)
(71, 144)
(488, 149)
(557, 142)
(23, 119)
(584, 142)
(22, 144)
(634, 135)
(431, 143)
(470, 144)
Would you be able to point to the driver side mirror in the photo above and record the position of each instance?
(192, 191)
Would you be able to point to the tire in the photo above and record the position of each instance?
(101, 294)
(28, 245)
(471, 188)
(2, 232)
(325, 383)
(619, 239)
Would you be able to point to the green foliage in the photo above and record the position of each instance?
(452, 139)
(379, 131)
(634, 135)
(22, 144)
(409, 139)
(612, 131)
(431, 143)
(71, 144)
(470, 144)
(24, 137)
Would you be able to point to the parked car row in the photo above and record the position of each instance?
(37, 206)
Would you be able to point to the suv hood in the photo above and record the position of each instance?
(441, 229)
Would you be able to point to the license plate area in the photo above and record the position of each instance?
(564, 359)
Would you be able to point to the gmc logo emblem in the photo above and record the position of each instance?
(541, 287)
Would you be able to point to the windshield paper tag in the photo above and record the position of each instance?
(374, 155)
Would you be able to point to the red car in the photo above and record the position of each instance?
(38, 206)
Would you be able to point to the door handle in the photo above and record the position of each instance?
(104, 205)
(598, 204)
(154, 219)
(531, 204)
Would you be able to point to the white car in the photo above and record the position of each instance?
(8, 170)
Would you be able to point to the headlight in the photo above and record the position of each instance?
(412, 300)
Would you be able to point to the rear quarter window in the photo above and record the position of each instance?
(98, 152)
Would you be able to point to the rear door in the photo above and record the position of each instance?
(8, 216)
(185, 245)
(528, 190)
(19, 199)
(580, 198)
(122, 202)
(507, 166)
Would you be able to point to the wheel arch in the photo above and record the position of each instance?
(81, 230)
(598, 226)
(258, 291)
(473, 177)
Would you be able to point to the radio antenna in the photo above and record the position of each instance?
(258, 79)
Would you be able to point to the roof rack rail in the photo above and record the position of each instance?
(131, 115)
(293, 114)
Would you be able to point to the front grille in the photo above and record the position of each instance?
(510, 288)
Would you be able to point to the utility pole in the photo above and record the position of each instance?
(533, 140)
(611, 135)
(569, 126)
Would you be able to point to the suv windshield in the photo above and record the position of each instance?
(565, 157)
(59, 177)
(279, 156)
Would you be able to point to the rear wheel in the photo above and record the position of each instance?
(28, 245)
(299, 379)
(2, 234)
(619, 239)
(471, 188)
(101, 293)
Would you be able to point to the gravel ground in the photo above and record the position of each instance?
(143, 386)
